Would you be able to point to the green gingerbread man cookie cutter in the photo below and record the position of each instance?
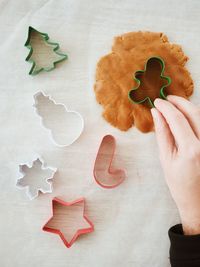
(162, 89)
(34, 70)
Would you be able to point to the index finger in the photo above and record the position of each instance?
(178, 124)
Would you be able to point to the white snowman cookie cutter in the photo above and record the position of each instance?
(64, 126)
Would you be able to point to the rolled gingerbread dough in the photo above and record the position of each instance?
(115, 71)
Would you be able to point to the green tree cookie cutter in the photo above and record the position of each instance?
(33, 70)
(162, 89)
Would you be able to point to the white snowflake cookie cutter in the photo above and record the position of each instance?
(68, 125)
(30, 180)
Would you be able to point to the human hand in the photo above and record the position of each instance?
(177, 127)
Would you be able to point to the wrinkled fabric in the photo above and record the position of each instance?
(132, 220)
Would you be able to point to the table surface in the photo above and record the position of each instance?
(131, 221)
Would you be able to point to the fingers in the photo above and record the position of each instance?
(190, 111)
(178, 124)
(164, 136)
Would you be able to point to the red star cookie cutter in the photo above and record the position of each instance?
(105, 175)
(79, 232)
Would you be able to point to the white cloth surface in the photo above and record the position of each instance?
(131, 221)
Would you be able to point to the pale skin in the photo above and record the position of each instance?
(177, 128)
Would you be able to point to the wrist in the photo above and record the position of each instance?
(190, 224)
(191, 229)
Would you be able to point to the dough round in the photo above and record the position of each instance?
(115, 71)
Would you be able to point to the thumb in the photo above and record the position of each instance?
(164, 136)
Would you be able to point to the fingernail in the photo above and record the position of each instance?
(156, 118)
(154, 113)
(158, 101)
(169, 96)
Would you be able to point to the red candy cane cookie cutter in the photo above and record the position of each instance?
(103, 171)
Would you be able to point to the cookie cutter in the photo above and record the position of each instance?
(103, 164)
(46, 40)
(162, 89)
(69, 112)
(79, 232)
(23, 181)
